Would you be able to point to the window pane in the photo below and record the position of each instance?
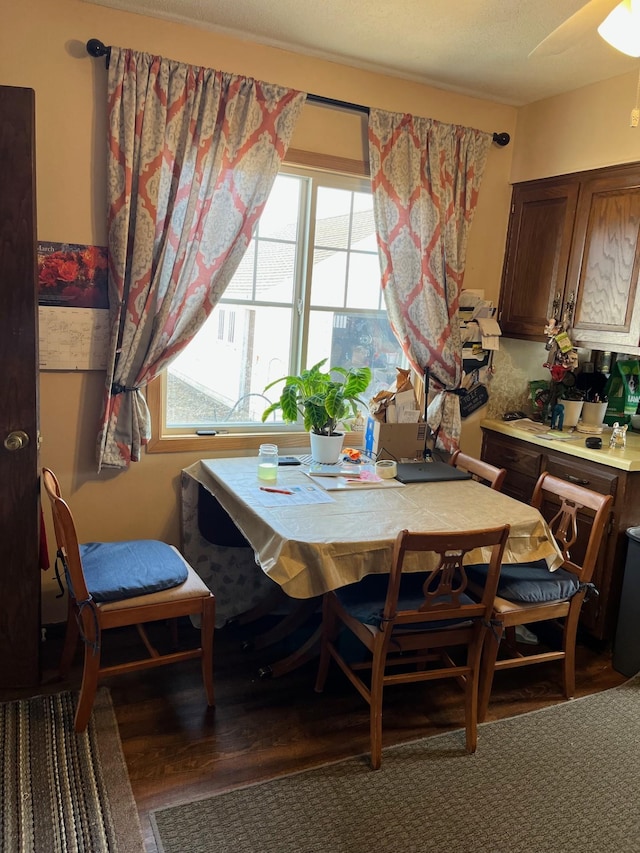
(328, 282)
(364, 282)
(356, 340)
(363, 229)
(241, 285)
(333, 217)
(221, 381)
(275, 271)
(280, 216)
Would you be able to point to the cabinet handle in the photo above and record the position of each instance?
(569, 309)
(577, 480)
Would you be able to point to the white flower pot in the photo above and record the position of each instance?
(572, 412)
(593, 413)
(326, 448)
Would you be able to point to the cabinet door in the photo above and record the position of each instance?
(605, 260)
(537, 255)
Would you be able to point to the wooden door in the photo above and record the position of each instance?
(537, 255)
(605, 260)
(19, 492)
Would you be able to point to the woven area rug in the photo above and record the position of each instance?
(564, 779)
(63, 791)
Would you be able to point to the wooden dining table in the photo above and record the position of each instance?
(311, 536)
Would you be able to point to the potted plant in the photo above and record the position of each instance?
(324, 399)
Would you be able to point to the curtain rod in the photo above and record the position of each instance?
(96, 48)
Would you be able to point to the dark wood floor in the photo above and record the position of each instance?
(178, 749)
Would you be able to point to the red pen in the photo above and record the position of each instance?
(275, 491)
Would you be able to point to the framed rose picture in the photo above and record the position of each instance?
(72, 275)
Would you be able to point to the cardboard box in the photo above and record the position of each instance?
(395, 441)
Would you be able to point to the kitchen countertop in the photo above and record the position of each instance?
(626, 460)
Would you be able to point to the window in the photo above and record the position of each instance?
(308, 288)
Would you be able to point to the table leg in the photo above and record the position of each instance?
(263, 608)
(307, 651)
(301, 612)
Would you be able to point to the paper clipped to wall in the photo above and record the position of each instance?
(73, 338)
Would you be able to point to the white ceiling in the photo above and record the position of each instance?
(475, 46)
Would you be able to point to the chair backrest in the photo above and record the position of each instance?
(564, 523)
(443, 590)
(66, 537)
(479, 470)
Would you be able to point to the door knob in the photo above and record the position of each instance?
(16, 440)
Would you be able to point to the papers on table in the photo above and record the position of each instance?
(299, 496)
(338, 484)
(339, 469)
(557, 435)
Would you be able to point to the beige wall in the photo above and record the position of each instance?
(42, 47)
(584, 129)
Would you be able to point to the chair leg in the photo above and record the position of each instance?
(88, 687)
(70, 643)
(173, 630)
(206, 641)
(487, 668)
(569, 646)
(329, 633)
(375, 710)
(471, 695)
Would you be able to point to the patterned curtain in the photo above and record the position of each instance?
(193, 154)
(425, 180)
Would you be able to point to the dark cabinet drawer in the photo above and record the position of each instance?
(516, 456)
(522, 461)
(583, 473)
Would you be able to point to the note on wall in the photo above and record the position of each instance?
(73, 338)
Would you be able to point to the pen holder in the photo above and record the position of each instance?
(593, 413)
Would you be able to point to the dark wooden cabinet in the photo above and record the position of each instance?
(605, 259)
(573, 250)
(525, 461)
(537, 255)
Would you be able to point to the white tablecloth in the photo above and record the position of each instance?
(310, 549)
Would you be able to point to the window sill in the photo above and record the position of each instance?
(234, 441)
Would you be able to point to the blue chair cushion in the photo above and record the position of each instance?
(530, 583)
(117, 570)
(365, 600)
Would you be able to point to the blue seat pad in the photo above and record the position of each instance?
(116, 570)
(531, 583)
(365, 600)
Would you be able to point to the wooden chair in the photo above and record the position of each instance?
(530, 593)
(414, 618)
(479, 470)
(113, 584)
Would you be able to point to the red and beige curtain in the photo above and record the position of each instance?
(425, 179)
(192, 157)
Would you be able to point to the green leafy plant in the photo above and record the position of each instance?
(322, 400)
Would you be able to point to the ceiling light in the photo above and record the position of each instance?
(621, 28)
